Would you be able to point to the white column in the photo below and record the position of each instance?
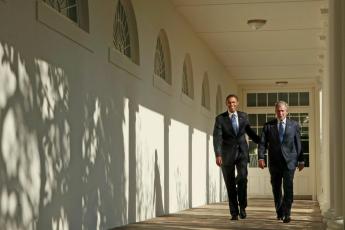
(324, 110)
(342, 9)
(336, 54)
(328, 104)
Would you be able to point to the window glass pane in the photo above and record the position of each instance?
(304, 130)
(262, 99)
(68, 8)
(293, 99)
(252, 119)
(305, 146)
(294, 116)
(261, 119)
(283, 97)
(185, 80)
(306, 160)
(121, 37)
(270, 116)
(304, 98)
(159, 67)
(251, 99)
(272, 99)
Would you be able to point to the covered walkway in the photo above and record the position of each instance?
(260, 215)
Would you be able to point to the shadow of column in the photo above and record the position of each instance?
(207, 170)
(132, 177)
(167, 123)
(158, 199)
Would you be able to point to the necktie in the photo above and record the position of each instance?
(281, 131)
(234, 123)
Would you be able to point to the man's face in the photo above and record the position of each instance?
(232, 104)
(281, 112)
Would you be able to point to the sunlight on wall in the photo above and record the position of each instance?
(53, 99)
(20, 161)
(214, 182)
(90, 140)
(125, 131)
(178, 165)
(52, 92)
(150, 162)
(199, 167)
(8, 81)
(62, 222)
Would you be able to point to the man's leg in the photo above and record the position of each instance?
(242, 175)
(230, 183)
(288, 176)
(276, 182)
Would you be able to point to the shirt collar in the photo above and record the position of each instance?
(284, 121)
(230, 114)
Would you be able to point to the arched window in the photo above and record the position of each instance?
(125, 34)
(205, 93)
(219, 101)
(75, 10)
(187, 77)
(162, 65)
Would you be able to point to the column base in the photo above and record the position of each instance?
(328, 215)
(336, 223)
(324, 206)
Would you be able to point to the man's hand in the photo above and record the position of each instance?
(219, 161)
(300, 166)
(262, 164)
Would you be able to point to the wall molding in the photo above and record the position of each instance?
(162, 85)
(123, 62)
(64, 26)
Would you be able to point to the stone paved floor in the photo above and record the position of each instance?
(260, 215)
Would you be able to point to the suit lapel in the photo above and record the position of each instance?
(275, 128)
(287, 126)
(241, 121)
(228, 123)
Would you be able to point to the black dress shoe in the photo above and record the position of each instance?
(286, 219)
(243, 213)
(235, 217)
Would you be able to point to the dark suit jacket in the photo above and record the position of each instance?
(290, 148)
(226, 143)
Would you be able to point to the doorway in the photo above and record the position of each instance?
(260, 109)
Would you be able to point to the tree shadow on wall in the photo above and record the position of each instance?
(61, 148)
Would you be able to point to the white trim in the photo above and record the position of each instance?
(61, 24)
(162, 85)
(186, 99)
(123, 62)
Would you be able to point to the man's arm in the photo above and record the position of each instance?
(217, 141)
(300, 155)
(250, 132)
(262, 147)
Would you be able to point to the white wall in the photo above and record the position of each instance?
(86, 145)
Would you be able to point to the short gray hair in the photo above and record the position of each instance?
(280, 103)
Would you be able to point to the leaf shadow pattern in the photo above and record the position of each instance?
(34, 140)
(62, 163)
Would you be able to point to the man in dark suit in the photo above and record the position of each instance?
(281, 136)
(231, 149)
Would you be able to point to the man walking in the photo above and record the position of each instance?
(231, 149)
(281, 136)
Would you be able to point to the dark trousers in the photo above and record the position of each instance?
(280, 174)
(236, 187)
